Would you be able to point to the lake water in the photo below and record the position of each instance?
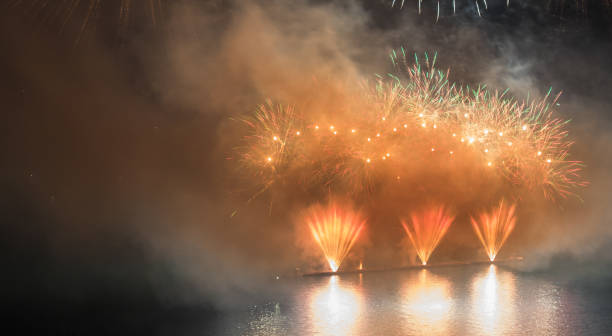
(470, 300)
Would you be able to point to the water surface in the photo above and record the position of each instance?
(470, 300)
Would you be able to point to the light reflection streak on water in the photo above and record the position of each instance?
(493, 302)
(486, 300)
(427, 304)
(336, 308)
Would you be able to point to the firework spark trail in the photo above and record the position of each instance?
(426, 229)
(558, 7)
(437, 6)
(494, 227)
(84, 14)
(273, 146)
(413, 115)
(335, 230)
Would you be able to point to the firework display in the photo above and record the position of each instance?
(424, 118)
(494, 227)
(426, 229)
(415, 128)
(335, 230)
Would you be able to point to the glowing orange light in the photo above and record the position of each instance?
(334, 157)
(426, 229)
(494, 227)
(335, 230)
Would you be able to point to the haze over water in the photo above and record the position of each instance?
(473, 300)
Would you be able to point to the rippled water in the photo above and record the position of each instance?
(473, 300)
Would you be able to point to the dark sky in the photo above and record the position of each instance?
(115, 183)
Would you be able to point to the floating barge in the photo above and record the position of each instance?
(413, 267)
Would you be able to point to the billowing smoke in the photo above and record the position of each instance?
(119, 174)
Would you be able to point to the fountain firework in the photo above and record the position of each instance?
(335, 230)
(494, 227)
(426, 228)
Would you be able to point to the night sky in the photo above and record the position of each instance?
(117, 178)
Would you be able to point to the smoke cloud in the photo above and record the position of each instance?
(118, 174)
